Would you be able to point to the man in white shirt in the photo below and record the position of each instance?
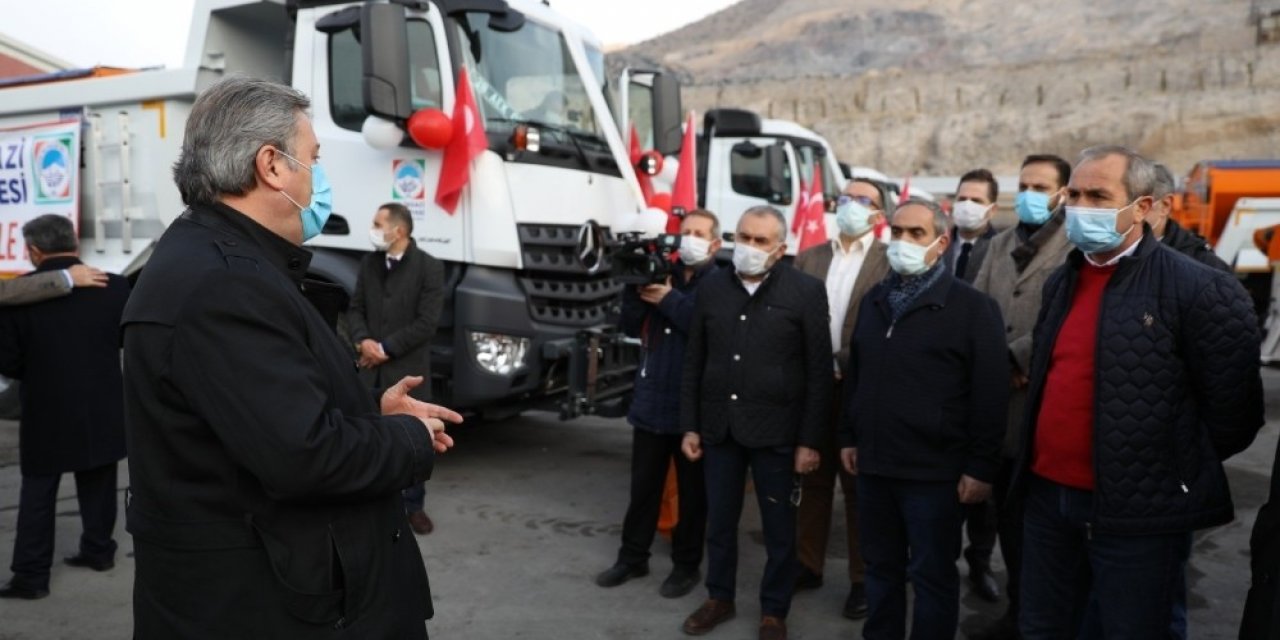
(850, 265)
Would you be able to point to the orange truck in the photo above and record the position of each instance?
(1235, 204)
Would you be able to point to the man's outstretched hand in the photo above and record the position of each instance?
(83, 275)
(397, 401)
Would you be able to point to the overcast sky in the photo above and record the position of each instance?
(140, 33)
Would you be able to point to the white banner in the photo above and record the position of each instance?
(39, 174)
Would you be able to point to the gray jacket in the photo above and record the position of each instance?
(1018, 295)
(34, 288)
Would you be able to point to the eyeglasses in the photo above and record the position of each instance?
(797, 491)
(862, 200)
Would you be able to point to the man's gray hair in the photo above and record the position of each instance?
(228, 124)
(1164, 184)
(941, 221)
(768, 211)
(1139, 173)
(50, 233)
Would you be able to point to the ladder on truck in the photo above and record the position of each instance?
(119, 185)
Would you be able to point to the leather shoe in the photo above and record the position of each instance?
(11, 590)
(984, 585)
(680, 582)
(81, 560)
(807, 579)
(708, 616)
(772, 628)
(421, 522)
(1006, 628)
(855, 606)
(620, 573)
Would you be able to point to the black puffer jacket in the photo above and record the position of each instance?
(1177, 389)
(1193, 245)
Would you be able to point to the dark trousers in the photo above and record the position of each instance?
(37, 505)
(911, 528)
(651, 454)
(415, 497)
(981, 522)
(1009, 524)
(1132, 577)
(813, 516)
(772, 470)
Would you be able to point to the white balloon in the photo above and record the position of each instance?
(381, 134)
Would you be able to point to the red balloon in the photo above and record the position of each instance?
(430, 128)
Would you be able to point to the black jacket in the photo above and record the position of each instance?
(400, 309)
(265, 498)
(1261, 619)
(1191, 244)
(758, 367)
(926, 395)
(1177, 389)
(664, 330)
(66, 352)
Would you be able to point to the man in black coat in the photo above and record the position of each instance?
(66, 352)
(1144, 378)
(393, 317)
(1172, 234)
(757, 386)
(1261, 619)
(266, 478)
(928, 384)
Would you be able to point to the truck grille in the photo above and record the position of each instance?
(559, 290)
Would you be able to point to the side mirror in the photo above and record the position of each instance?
(384, 45)
(775, 163)
(667, 114)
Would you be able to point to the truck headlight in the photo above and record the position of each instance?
(497, 353)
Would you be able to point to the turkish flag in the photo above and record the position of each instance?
(812, 216)
(646, 182)
(685, 191)
(467, 142)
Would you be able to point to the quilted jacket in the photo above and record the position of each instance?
(1177, 390)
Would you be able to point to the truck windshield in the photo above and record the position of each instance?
(528, 76)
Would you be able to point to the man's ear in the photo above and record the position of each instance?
(268, 169)
(1142, 209)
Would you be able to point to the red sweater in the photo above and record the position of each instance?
(1063, 449)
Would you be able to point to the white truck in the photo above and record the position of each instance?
(524, 325)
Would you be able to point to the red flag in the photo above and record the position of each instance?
(646, 182)
(467, 142)
(813, 230)
(906, 190)
(685, 191)
(802, 209)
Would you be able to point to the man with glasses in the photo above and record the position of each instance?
(756, 393)
(850, 265)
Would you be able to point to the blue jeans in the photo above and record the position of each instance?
(910, 527)
(414, 497)
(1064, 561)
(772, 469)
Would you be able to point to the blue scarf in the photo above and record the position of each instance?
(903, 290)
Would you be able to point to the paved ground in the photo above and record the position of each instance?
(528, 510)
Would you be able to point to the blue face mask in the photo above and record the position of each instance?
(315, 214)
(1094, 230)
(1032, 207)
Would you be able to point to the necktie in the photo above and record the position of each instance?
(963, 260)
(391, 263)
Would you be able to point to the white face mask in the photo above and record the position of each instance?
(379, 239)
(970, 215)
(750, 261)
(853, 217)
(909, 258)
(694, 250)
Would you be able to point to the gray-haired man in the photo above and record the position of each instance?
(266, 478)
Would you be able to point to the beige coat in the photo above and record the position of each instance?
(815, 261)
(34, 288)
(1018, 295)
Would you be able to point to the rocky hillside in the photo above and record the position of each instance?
(942, 86)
